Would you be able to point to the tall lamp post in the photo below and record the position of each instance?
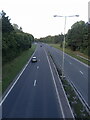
(64, 40)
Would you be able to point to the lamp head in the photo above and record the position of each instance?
(55, 16)
(77, 15)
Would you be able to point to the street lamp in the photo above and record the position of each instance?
(64, 39)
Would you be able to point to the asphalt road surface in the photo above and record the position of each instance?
(34, 94)
(75, 71)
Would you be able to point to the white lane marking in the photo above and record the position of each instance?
(83, 58)
(81, 72)
(35, 83)
(64, 91)
(37, 67)
(76, 59)
(16, 80)
(39, 59)
(79, 94)
(70, 62)
(60, 105)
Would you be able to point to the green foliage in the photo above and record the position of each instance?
(14, 40)
(89, 39)
(6, 25)
(51, 39)
(77, 37)
(12, 68)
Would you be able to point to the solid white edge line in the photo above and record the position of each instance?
(74, 85)
(74, 59)
(64, 91)
(1, 102)
(55, 86)
(78, 60)
(79, 95)
(84, 58)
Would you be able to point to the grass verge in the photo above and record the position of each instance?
(78, 108)
(72, 53)
(0, 88)
(11, 69)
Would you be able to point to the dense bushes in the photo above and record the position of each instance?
(77, 38)
(14, 41)
(51, 39)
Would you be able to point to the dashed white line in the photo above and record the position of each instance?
(35, 83)
(77, 60)
(37, 67)
(70, 62)
(81, 72)
(1, 102)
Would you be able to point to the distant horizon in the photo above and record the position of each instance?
(43, 36)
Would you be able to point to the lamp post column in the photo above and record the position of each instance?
(63, 49)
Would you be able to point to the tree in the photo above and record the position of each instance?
(6, 25)
(15, 26)
(14, 40)
(77, 36)
(21, 29)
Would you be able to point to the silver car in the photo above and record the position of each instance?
(34, 59)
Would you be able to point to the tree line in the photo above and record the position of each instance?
(14, 40)
(76, 38)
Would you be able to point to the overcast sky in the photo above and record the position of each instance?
(36, 16)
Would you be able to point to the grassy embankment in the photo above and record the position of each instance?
(73, 53)
(78, 108)
(0, 88)
(11, 69)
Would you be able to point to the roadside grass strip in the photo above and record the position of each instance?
(73, 54)
(0, 88)
(11, 69)
(79, 110)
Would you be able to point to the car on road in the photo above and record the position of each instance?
(34, 59)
